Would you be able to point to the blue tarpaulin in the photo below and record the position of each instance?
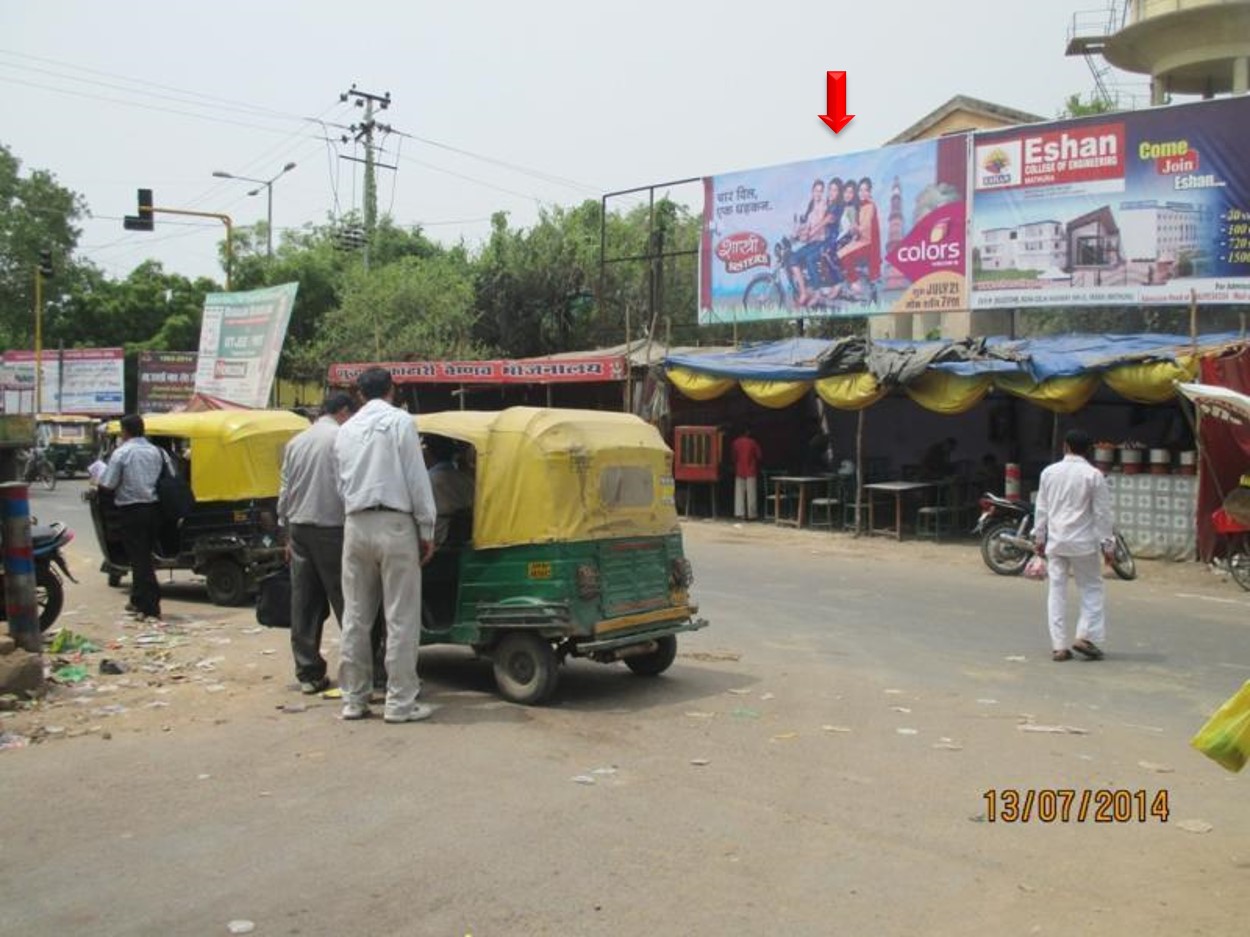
(796, 359)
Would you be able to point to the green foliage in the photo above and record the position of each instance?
(413, 308)
(36, 213)
(1076, 106)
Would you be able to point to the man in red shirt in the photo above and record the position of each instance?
(746, 455)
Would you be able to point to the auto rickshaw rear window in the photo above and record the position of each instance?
(627, 486)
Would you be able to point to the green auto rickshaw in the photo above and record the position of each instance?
(67, 441)
(233, 459)
(572, 548)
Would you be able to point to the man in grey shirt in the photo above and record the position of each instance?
(311, 509)
(132, 473)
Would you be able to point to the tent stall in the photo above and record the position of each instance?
(1093, 375)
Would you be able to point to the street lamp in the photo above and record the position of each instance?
(268, 184)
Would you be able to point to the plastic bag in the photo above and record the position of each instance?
(1226, 736)
(1035, 568)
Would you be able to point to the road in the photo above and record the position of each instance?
(814, 763)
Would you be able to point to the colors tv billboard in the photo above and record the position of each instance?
(862, 234)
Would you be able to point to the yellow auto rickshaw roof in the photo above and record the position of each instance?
(226, 425)
(235, 455)
(64, 418)
(548, 474)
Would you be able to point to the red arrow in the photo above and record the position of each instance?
(837, 118)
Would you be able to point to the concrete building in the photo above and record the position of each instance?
(1184, 46)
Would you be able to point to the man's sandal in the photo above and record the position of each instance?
(1065, 654)
(1088, 649)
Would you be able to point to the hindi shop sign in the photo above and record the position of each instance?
(241, 337)
(166, 380)
(578, 370)
(89, 381)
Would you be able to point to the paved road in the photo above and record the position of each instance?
(853, 701)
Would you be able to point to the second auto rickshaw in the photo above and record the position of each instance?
(66, 441)
(572, 549)
(232, 459)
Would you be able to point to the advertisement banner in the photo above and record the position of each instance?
(166, 380)
(564, 370)
(241, 337)
(863, 234)
(1144, 207)
(88, 381)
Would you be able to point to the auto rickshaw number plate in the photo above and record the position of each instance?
(539, 571)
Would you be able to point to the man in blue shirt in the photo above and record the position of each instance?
(131, 476)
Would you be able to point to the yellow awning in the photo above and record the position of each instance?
(943, 392)
(850, 391)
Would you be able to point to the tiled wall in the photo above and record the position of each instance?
(1156, 514)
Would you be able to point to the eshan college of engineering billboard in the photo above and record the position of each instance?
(1140, 208)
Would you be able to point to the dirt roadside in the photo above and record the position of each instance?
(209, 665)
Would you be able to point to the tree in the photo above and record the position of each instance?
(149, 310)
(1075, 106)
(36, 214)
(413, 308)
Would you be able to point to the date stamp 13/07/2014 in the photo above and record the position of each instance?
(1069, 805)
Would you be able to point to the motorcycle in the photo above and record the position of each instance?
(36, 467)
(779, 289)
(1006, 531)
(47, 540)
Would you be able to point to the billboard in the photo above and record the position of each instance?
(166, 380)
(863, 234)
(1134, 208)
(241, 337)
(75, 380)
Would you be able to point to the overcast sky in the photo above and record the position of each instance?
(578, 98)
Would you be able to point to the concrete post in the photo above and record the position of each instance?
(1241, 75)
(19, 567)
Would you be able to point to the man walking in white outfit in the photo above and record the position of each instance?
(1072, 525)
(388, 535)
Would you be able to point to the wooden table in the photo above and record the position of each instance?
(801, 483)
(898, 489)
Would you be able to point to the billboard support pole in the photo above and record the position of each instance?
(1193, 319)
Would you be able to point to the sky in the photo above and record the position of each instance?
(504, 106)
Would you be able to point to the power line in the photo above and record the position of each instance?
(140, 81)
(515, 167)
(138, 104)
(251, 112)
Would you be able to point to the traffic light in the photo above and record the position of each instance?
(144, 220)
(45, 263)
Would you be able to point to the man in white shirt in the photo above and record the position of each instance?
(1072, 525)
(388, 536)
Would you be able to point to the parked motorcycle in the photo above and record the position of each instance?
(47, 541)
(1006, 529)
(778, 289)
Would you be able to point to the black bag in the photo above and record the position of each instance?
(273, 600)
(173, 493)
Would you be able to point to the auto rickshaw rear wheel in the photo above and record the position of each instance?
(226, 582)
(526, 668)
(657, 661)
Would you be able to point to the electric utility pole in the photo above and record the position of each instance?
(363, 133)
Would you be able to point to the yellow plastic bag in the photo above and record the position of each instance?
(1226, 736)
